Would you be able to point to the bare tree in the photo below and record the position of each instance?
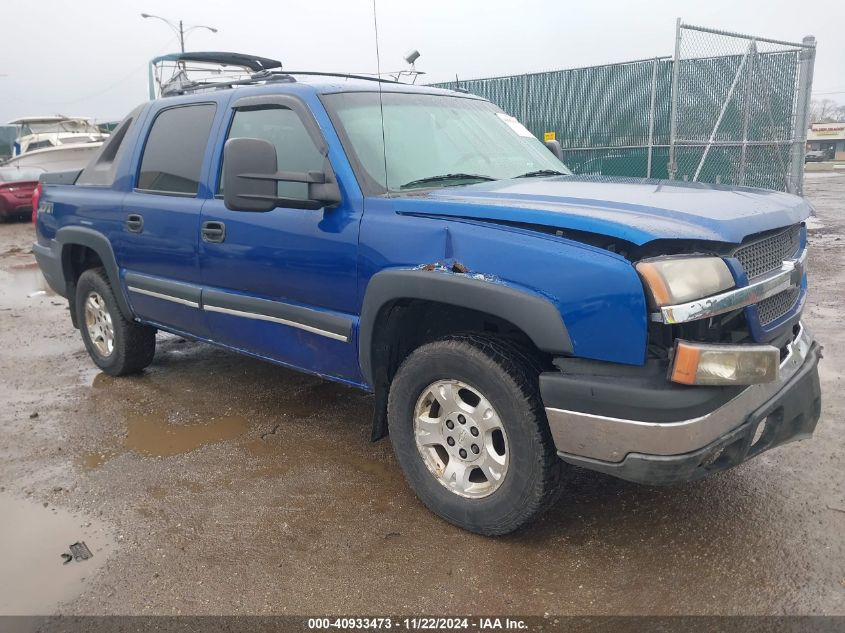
(826, 111)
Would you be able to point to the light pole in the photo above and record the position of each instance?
(179, 28)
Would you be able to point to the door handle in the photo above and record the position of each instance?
(134, 223)
(213, 232)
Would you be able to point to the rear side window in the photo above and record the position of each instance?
(295, 151)
(175, 149)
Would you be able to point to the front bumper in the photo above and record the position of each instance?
(727, 426)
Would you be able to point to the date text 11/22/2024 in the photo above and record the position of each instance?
(418, 623)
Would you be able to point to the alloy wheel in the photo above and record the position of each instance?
(461, 438)
(99, 324)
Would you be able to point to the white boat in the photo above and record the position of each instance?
(55, 143)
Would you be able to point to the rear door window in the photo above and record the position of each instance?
(175, 149)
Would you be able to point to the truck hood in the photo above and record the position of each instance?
(634, 210)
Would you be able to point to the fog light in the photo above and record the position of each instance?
(697, 364)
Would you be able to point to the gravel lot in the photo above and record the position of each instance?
(217, 484)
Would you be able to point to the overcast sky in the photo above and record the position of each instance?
(89, 57)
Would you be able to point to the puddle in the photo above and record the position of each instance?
(25, 281)
(34, 580)
(92, 461)
(154, 435)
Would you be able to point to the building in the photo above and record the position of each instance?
(828, 137)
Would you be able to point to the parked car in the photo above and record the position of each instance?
(507, 315)
(16, 187)
(815, 156)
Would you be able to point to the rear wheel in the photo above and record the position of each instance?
(117, 345)
(470, 433)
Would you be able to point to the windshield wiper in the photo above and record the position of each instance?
(430, 180)
(541, 172)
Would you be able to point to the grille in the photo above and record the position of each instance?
(767, 254)
(771, 309)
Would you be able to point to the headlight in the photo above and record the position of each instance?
(672, 280)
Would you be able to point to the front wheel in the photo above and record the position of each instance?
(117, 345)
(470, 433)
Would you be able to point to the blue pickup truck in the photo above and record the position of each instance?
(422, 245)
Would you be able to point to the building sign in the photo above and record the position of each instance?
(826, 131)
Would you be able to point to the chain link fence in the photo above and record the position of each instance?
(705, 115)
(739, 108)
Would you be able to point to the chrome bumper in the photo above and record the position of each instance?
(611, 439)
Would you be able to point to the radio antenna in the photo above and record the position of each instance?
(381, 102)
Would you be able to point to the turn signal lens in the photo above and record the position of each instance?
(672, 280)
(696, 364)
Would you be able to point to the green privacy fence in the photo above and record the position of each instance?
(732, 117)
(608, 119)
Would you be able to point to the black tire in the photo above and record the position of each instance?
(508, 379)
(134, 344)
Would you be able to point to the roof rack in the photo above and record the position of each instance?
(190, 87)
(173, 88)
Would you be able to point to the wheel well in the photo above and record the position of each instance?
(405, 324)
(76, 259)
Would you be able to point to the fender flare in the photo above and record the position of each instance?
(534, 315)
(99, 243)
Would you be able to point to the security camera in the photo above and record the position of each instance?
(412, 56)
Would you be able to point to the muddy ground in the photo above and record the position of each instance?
(217, 484)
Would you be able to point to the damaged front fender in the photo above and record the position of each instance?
(536, 316)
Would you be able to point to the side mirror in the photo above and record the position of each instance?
(242, 156)
(554, 148)
(250, 175)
